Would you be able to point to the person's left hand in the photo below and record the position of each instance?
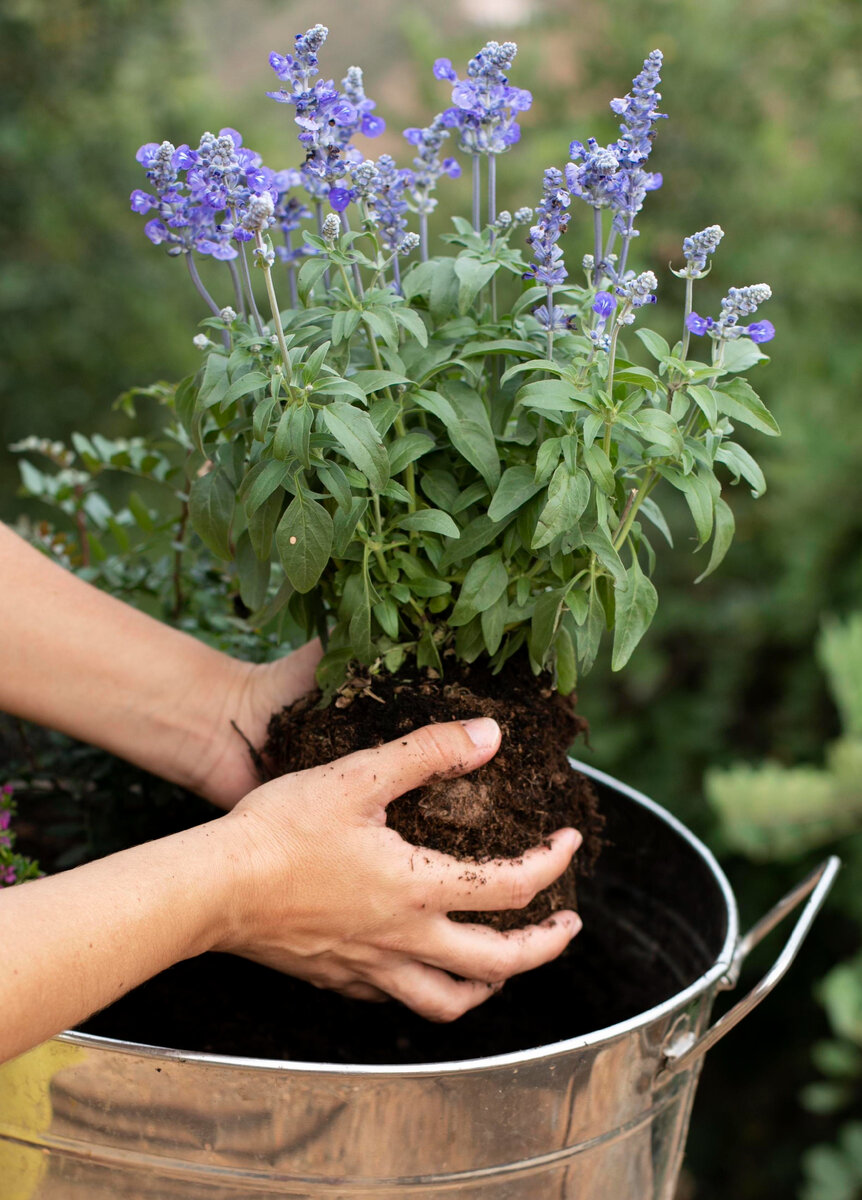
(256, 691)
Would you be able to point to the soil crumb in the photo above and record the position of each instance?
(526, 792)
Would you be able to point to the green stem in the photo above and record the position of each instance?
(273, 304)
(686, 332)
(649, 481)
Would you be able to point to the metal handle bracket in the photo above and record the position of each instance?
(685, 1051)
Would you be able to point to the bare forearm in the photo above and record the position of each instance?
(82, 662)
(74, 942)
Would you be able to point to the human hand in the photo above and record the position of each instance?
(251, 693)
(325, 891)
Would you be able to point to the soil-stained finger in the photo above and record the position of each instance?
(445, 884)
(478, 952)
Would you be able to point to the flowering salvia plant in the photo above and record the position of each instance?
(14, 867)
(413, 458)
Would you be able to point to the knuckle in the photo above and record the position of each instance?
(521, 892)
(434, 746)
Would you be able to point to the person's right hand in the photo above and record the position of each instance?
(325, 891)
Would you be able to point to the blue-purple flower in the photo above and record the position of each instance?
(485, 106)
(428, 166)
(738, 303)
(328, 119)
(387, 205)
(552, 221)
(604, 304)
(635, 291)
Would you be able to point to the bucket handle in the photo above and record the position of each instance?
(686, 1048)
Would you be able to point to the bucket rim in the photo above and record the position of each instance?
(516, 1058)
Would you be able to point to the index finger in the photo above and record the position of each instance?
(369, 779)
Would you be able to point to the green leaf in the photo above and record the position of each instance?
(382, 322)
(472, 275)
(253, 381)
(565, 666)
(660, 429)
(443, 296)
(656, 344)
(273, 606)
(310, 273)
(534, 364)
(653, 513)
(215, 382)
(427, 654)
(639, 376)
(261, 526)
(336, 483)
(430, 520)
(603, 548)
(253, 573)
(493, 623)
(698, 497)
(740, 462)
(704, 398)
(304, 541)
(211, 502)
(636, 602)
(741, 354)
(412, 322)
(336, 386)
(260, 483)
(293, 433)
(353, 430)
(723, 536)
(568, 496)
(471, 433)
(516, 487)
(386, 612)
(588, 635)
(484, 583)
(543, 627)
(474, 537)
(739, 401)
(599, 466)
(376, 381)
(547, 457)
(344, 323)
(551, 395)
(407, 448)
(344, 525)
(499, 346)
(262, 417)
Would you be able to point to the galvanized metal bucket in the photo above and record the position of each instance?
(598, 1116)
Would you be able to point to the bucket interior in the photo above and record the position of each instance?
(655, 920)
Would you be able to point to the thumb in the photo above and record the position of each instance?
(371, 778)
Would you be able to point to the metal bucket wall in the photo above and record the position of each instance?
(600, 1116)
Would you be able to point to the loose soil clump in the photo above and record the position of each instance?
(526, 792)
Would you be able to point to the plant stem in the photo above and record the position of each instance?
(649, 480)
(686, 332)
(179, 599)
(477, 192)
(612, 353)
(239, 300)
(252, 303)
(273, 304)
(550, 306)
(492, 189)
(423, 236)
(198, 282)
(597, 241)
(291, 270)
(318, 208)
(357, 278)
(396, 272)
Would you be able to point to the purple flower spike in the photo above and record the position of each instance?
(372, 126)
(142, 202)
(147, 153)
(443, 69)
(604, 304)
(339, 198)
(697, 324)
(761, 331)
(451, 167)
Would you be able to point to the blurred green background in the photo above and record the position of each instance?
(764, 98)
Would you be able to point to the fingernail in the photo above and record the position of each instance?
(576, 839)
(484, 732)
(573, 921)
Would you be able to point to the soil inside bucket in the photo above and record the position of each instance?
(525, 793)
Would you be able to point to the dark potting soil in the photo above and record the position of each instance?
(525, 793)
